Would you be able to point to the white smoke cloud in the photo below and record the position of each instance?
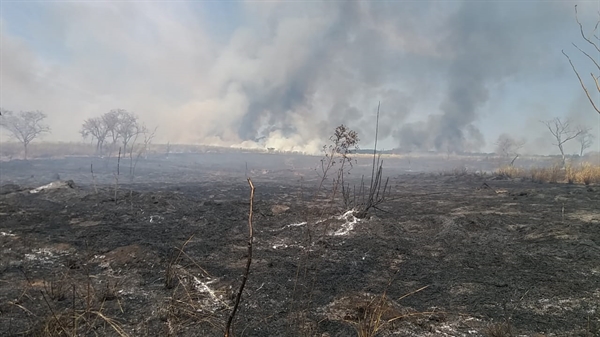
(288, 73)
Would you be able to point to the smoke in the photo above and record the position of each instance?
(487, 44)
(284, 75)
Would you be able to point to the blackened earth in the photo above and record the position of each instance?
(158, 255)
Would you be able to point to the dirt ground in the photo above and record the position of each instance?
(447, 255)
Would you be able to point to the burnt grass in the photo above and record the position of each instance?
(496, 257)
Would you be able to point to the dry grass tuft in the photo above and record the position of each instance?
(555, 174)
(75, 308)
(588, 174)
(511, 172)
(195, 300)
(584, 173)
(371, 315)
(499, 330)
(194, 303)
(78, 323)
(570, 174)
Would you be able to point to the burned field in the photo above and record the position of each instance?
(447, 255)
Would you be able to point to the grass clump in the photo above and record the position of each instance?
(511, 172)
(72, 306)
(585, 173)
(588, 174)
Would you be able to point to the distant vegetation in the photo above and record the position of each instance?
(118, 127)
(584, 173)
(24, 126)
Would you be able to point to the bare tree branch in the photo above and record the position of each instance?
(594, 61)
(582, 84)
(582, 32)
(588, 55)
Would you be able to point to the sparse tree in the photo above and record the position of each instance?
(24, 126)
(114, 126)
(111, 121)
(96, 129)
(592, 40)
(128, 128)
(585, 140)
(121, 124)
(562, 131)
(508, 147)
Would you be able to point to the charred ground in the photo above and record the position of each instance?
(491, 253)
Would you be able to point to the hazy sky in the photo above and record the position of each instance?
(447, 73)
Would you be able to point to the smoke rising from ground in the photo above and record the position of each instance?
(284, 74)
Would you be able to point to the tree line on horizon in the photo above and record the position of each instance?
(116, 128)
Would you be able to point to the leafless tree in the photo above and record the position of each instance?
(508, 147)
(128, 128)
(585, 140)
(24, 126)
(592, 40)
(96, 129)
(562, 131)
(122, 125)
(116, 126)
(111, 121)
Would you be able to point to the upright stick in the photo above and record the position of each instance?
(375, 146)
(247, 272)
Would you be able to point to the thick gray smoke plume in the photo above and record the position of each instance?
(332, 64)
(288, 73)
(339, 64)
(485, 44)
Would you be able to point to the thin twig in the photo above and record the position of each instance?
(117, 175)
(53, 314)
(119, 161)
(583, 34)
(247, 272)
(93, 177)
(375, 146)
